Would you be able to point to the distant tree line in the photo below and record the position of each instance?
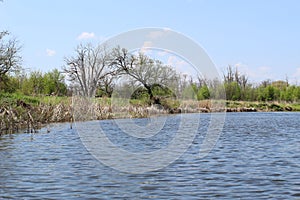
(96, 71)
(152, 77)
(36, 83)
(237, 87)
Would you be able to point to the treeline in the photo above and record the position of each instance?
(266, 91)
(14, 79)
(235, 84)
(238, 88)
(94, 70)
(35, 83)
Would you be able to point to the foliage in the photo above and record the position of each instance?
(94, 71)
(203, 93)
(237, 88)
(54, 83)
(144, 71)
(9, 57)
(36, 83)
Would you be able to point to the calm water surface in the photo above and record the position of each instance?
(256, 157)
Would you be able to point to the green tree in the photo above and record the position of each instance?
(290, 94)
(270, 93)
(54, 83)
(203, 93)
(190, 92)
(235, 84)
(233, 91)
(9, 58)
(34, 84)
(13, 83)
(144, 71)
(297, 93)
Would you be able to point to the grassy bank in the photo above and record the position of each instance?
(20, 112)
(30, 113)
(236, 106)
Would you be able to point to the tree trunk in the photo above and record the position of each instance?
(149, 90)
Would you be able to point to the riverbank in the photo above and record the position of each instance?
(245, 106)
(30, 113)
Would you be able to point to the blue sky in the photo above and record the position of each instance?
(260, 37)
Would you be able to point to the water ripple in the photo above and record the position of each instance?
(257, 157)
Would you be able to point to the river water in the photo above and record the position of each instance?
(256, 157)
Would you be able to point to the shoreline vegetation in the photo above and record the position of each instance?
(30, 113)
(117, 83)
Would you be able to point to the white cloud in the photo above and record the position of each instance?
(244, 69)
(146, 48)
(158, 34)
(181, 65)
(174, 61)
(86, 35)
(147, 44)
(167, 29)
(50, 52)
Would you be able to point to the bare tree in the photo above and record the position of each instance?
(144, 70)
(107, 84)
(9, 55)
(88, 67)
(233, 74)
(229, 75)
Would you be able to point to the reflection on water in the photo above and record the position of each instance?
(257, 156)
